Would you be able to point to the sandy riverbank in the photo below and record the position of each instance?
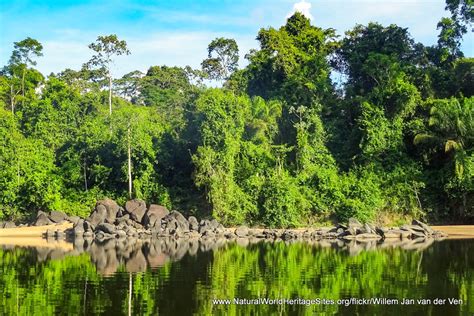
(32, 231)
(457, 231)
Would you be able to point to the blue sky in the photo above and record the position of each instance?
(177, 32)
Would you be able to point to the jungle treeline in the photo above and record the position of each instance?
(316, 127)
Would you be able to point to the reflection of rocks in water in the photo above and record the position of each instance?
(137, 255)
(136, 262)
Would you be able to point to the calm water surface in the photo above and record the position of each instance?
(169, 277)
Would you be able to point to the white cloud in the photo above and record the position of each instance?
(302, 7)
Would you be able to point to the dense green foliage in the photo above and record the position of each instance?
(280, 143)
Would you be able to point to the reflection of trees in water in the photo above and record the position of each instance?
(183, 276)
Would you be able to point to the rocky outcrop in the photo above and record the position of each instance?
(57, 217)
(110, 221)
(154, 215)
(136, 208)
(8, 225)
(42, 219)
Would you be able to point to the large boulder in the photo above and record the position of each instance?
(204, 226)
(193, 223)
(136, 208)
(182, 221)
(57, 217)
(42, 219)
(74, 219)
(88, 227)
(154, 214)
(425, 227)
(354, 223)
(112, 209)
(78, 228)
(9, 225)
(242, 231)
(106, 228)
(98, 215)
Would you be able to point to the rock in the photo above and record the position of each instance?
(288, 235)
(122, 220)
(121, 212)
(204, 226)
(330, 235)
(220, 230)
(208, 233)
(182, 221)
(439, 234)
(78, 228)
(214, 224)
(132, 232)
(111, 208)
(88, 227)
(136, 208)
(379, 231)
(404, 234)
(193, 223)
(100, 236)
(98, 215)
(9, 224)
(42, 219)
(415, 234)
(74, 219)
(174, 220)
(353, 223)
(391, 234)
(106, 228)
(229, 235)
(351, 231)
(154, 215)
(120, 234)
(156, 230)
(367, 236)
(415, 230)
(241, 231)
(369, 229)
(88, 234)
(57, 217)
(425, 227)
(194, 234)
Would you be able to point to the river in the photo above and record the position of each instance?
(185, 277)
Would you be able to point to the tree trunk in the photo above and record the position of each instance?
(130, 288)
(110, 94)
(18, 173)
(12, 99)
(85, 174)
(23, 87)
(129, 151)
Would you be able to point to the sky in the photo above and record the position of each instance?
(164, 32)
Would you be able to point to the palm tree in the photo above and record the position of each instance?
(451, 130)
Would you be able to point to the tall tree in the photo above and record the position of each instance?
(222, 60)
(22, 56)
(106, 47)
